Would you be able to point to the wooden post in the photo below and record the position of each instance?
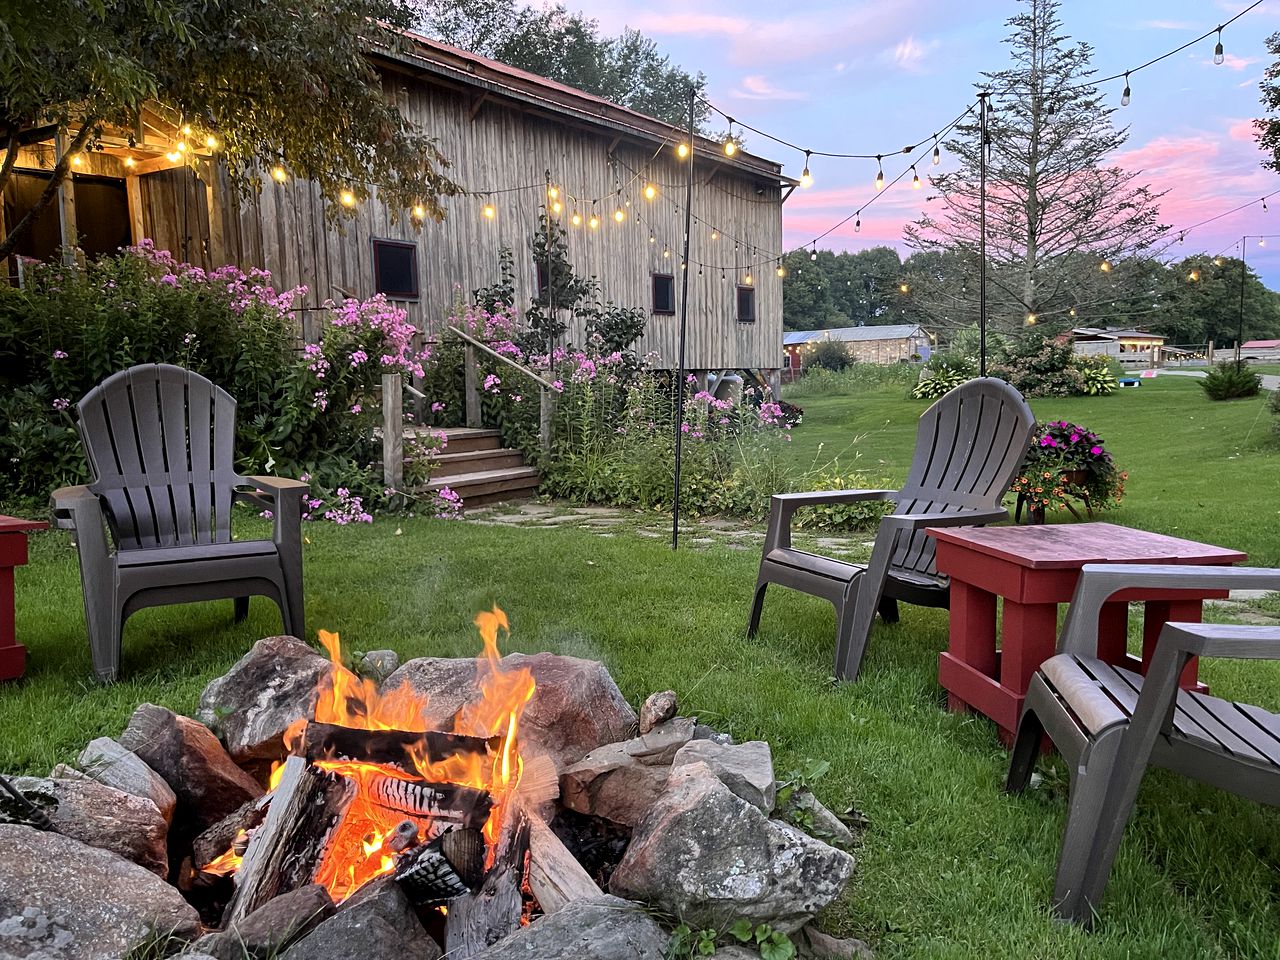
(133, 195)
(392, 433)
(471, 387)
(546, 410)
(1210, 357)
(213, 203)
(66, 203)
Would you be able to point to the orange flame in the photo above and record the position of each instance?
(357, 849)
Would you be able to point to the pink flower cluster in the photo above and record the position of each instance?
(348, 509)
(392, 324)
(245, 289)
(448, 505)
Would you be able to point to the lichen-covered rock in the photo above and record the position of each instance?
(707, 856)
(620, 781)
(745, 768)
(270, 688)
(61, 899)
(377, 665)
(107, 762)
(104, 817)
(377, 921)
(807, 811)
(192, 762)
(657, 708)
(823, 946)
(576, 706)
(603, 928)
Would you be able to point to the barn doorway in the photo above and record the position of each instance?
(102, 215)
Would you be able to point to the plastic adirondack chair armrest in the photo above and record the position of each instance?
(819, 497)
(1228, 640)
(965, 518)
(69, 504)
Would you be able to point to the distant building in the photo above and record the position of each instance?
(885, 344)
(1126, 345)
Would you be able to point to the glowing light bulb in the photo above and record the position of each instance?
(77, 160)
(666, 254)
(1262, 241)
(1217, 261)
(682, 151)
(347, 198)
(129, 162)
(594, 222)
(278, 174)
(173, 156)
(211, 142)
(715, 234)
(937, 155)
(1193, 276)
(814, 255)
(1072, 311)
(419, 212)
(182, 146)
(489, 211)
(781, 271)
(730, 148)
(1105, 266)
(879, 175)
(915, 180)
(1219, 55)
(1031, 319)
(1124, 97)
(650, 191)
(652, 238)
(576, 219)
(619, 215)
(553, 192)
(556, 206)
(904, 288)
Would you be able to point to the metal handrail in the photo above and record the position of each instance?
(497, 356)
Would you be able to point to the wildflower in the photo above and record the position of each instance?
(355, 408)
(557, 386)
(437, 407)
(189, 339)
(59, 354)
(61, 403)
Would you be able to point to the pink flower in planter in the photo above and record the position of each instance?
(1095, 450)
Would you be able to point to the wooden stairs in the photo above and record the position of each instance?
(476, 466)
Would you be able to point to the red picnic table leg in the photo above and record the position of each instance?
(972, 633)
(13, 656)
(1028, 638)
(1160, 612)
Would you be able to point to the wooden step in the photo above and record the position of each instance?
(490, 486)
(469, 439)
(453, 464)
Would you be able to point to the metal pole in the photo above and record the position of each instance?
(684, 317)
(982, 234)
(1240, 323)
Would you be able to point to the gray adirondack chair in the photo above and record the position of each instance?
(1110, 723)
(969, 445)
(159, 442)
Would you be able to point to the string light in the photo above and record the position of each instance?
(556, 206)
(1105, 266)
(682, 151)
(1182, 237)
(1031, 319)
(181, 147)
(1124, 97)
(576, 219)
(814, 255)
(211, 142)
(781, 271)
(594, 222)
(173, 156)
(553, 192)
(715, 234)
(806, 178)
(489, 211)
(419, 212)
(1072, 311)
(1262, 241)
(730, 148)
(1219, 56)
(747, 280)
(666, 252)
(915, 180)
(278, 174)
(1264, 204)
(186, 129)
(937, 155)
(879, 173)
(619, 215)
(1217, 261)
(1193, 276)
(904, 288)
(347, 198)
(77, 160)
(129, 161)
(857, 223)
(650, 191)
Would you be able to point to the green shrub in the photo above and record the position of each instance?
(1038, 365)
(1097, 375)
(831, 355)
(1230, 381)
(1275, 409)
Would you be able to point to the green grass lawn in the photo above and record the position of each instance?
(948, 866)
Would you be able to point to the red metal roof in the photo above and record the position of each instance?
(1260, 345)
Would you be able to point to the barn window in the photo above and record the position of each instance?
(746, 304)
(664, 293)
(395, 269)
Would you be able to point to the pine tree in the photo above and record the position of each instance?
(1057, 209)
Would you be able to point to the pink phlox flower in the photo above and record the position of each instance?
(59, 355)
(61, 403)
(437, 407)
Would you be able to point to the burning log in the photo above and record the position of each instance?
(397, 748)
(449, 866)
(445, 804)
(479, 920)
(286, 849)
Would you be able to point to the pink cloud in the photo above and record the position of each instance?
(757, 87)
(1241, 130)
(1232, 62)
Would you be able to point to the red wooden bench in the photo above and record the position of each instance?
(13, 553)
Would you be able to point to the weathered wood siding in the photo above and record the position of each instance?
(284, 229)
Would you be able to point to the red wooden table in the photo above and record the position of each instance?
(1034, 569)
(13, 553)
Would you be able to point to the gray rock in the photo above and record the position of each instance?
(107, 762)
(61, 899)
(826, 947)
(707, 856)
(621, 781)
(575, 708)
(377, 921)
(103, 817)
(803, 806)
(61, 771)
(377, 665)
(746, 768)
(603, 928)
(657, 708)
(704, 732)
(272, 927)
(269, 688)
(207, 783)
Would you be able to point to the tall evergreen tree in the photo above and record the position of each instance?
(1057, 209)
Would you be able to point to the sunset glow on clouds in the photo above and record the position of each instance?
(868, 77)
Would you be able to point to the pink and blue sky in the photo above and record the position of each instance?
(858, 76)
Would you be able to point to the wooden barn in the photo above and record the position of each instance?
(887, 343)
(503, 130)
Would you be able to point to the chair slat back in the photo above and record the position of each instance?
(160, 443)
(969, 446)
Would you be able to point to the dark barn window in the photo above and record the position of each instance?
(746, 304)
(395, 269)
(664, 293)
